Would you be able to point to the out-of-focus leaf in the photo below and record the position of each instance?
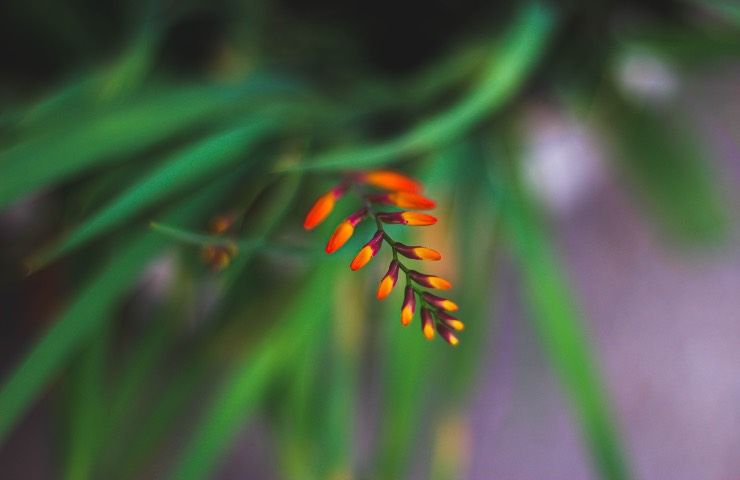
(727, 9)
(246, 386)
(183, 170)
(557, 323)
(666, 166)
(87, 408)
(512, 60)
(105, 135)
(88, 311)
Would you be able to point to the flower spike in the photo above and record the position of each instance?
(388, 281)
(427, 323)
(389, 180)
(417, 253)
(323, 207)
(409, 305)
(440, 302)
(430, 281)
(367, 252)
(407, 218)
(403, 193)
(345, 230)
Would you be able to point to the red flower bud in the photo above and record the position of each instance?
(389, 180)
(407, 218)
(323, 207)
(431, 281)
(440, 302)
(417, 252)
(447, 335)
(409, 306)
(367, 252)
(427, 323)
(344, 231)
(388, 281)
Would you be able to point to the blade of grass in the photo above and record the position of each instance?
(87, 407)
(516, 55)
(665, 165)
(557, 323)
(88, 311)
(109, 134)
(183, 170)
(247, 384)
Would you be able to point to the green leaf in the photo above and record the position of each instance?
(558, 324)
(667, 168)
(246, 386)
(75, 143)
(516, 55)
(84, 316)
(183, 170)
(87, 409)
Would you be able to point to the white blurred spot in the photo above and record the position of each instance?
(562, 162)
(646, 77)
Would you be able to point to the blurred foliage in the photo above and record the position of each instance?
(138, 122)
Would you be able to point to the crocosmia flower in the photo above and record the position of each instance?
(402, 192)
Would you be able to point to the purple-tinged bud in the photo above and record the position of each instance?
(409, 306)
(440, 302)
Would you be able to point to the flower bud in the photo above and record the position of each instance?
(447, 335)
(409, 200)
(367, 252)
(440, 302)
(409, 306)
(427, 323)
(430, 281)
(323, 207)
(344, 231)
(450, 321)
(413, 219)
(389, 180)
(388, 281)
(417, 252)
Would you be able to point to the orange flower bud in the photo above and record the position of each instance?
(451, 321)
(447, 335)
(408, 307)
(431, 281)
(440, 302)
(388, 281)
(407, 218)
(417, 253)
(389, 180)
(427, 323)
(344, 231)
(367, 252)
(322, 208)
(409, 200)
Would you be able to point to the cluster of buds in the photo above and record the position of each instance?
(218, 257)
(405, 193)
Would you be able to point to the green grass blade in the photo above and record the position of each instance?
(87, 409)
(183, 170)
(245, 388)
(667, 168)
(559, 327)
(76, 143)
(516, 54)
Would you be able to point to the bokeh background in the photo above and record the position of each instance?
(584, 156)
